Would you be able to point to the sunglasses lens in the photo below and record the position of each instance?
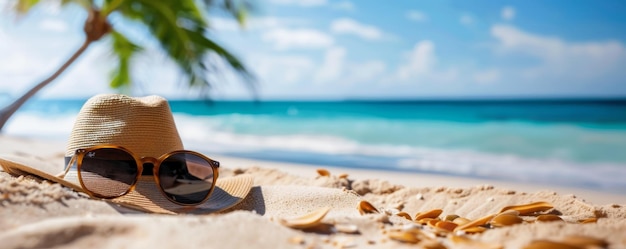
(108, 172)
(186, 178)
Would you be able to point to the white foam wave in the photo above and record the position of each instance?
(56, 127)
(203, 134)
(210, 135)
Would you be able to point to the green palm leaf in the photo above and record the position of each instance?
(179, 28)
(124, 50)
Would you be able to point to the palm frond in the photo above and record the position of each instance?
(124, 49)
(180, 29)
(23, 6)
(237, 8)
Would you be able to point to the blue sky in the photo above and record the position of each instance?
(310, 49)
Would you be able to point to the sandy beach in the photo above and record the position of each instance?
(40, 214)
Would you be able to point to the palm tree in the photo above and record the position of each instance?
(180, 28)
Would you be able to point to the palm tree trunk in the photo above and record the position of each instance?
(8, 111)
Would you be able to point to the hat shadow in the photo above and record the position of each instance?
(220, 202)
(254, 202)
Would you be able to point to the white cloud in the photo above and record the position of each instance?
(297, 38)
(420, 61)
(349, 26)
(333, 65)
(54, 25)
(466, 19)
(558, 58)
(508, 13)
(366, 72)
(420, 66)
(280, 70)
(336, 69)
(345, 5)
(487, 76)
(254, 23)
(416, 15)
(303, 3)
(272, 22)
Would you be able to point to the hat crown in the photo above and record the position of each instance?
(144, 125)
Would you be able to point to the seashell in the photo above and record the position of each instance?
(510, 211)
(429, 214)
(461, 221)
(477, 229)
(475, 223)
(451, 217)
(323, 172)
(419, 196)
(432, 244)
(549, 217)
(529, 208)
(470, 243)
(446, 225)
(308, 220)
(405, 215)
(424, 221)
(343, 176)
(459, 239)
(405, 237)
(588, 220)
(432, 222)
(346, 228)
(546, 244)
(502, 220)
(366, 208)
(585, 241)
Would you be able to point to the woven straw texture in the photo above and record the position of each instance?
(144, 125)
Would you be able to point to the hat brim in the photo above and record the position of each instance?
(145, 197)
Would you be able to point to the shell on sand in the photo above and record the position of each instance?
(405, 215)
(470, 243)
(546, 244)
(529, 208)
(323, 172)
(585, 241)
(308, 220)
(569, 242)
(428, 214)
(475, 223)
(405, 236)
(549, 217)
(446, 225)
(365, 207)
(502, 220)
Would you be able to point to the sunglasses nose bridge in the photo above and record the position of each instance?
(148, 164)
(151, 160)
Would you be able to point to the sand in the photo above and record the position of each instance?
(41, 214)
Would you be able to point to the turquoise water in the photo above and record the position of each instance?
(574, 143)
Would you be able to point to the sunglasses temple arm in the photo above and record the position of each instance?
(67, 167)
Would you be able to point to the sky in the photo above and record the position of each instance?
(342, 49)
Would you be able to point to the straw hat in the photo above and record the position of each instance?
(144, 126)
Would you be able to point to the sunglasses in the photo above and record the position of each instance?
(108, 171)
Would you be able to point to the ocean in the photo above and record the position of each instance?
(577, 143)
